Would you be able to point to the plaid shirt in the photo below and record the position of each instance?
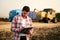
(17, 25)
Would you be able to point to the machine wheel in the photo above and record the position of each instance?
(40, 20)
(45, 20)
(54, 20)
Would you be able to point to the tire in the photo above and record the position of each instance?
(45, 20)
(40, 20)
(54, 20)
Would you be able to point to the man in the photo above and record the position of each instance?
(21, 22)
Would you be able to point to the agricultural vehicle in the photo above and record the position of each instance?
(47, 15)
(13, 13)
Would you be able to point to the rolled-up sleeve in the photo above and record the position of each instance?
(31, 25)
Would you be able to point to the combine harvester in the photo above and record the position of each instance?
(47, 15)
(13, 13)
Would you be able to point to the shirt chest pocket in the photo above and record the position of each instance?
(28, 23)
(25, 23)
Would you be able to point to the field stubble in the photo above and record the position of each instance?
(42, 31)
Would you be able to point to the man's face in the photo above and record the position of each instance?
(24, 13)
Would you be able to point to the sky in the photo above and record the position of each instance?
(7, 5)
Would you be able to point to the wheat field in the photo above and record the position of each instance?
(42, 31)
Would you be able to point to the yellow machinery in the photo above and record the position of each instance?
(47, 15)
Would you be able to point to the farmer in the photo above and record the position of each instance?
(21, 22)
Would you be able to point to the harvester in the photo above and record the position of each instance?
(47, 15)
(13, 13)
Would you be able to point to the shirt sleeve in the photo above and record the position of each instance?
(31, 25)
(14, 27)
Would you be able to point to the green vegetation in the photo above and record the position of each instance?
(58, 16)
